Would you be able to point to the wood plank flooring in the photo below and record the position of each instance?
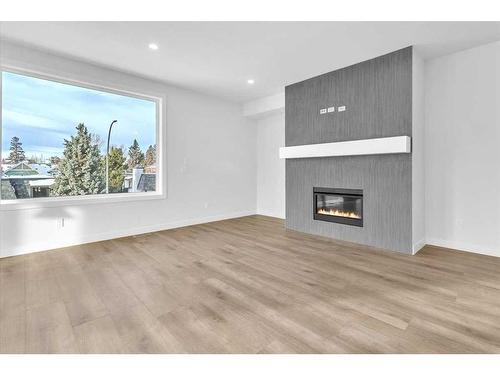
(247, 285)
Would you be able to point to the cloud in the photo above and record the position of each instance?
(28, 119)
(43, 113)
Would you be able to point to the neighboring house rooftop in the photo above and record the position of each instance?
(26, 171)
(147, 182)
(5, 167)
(21, 169)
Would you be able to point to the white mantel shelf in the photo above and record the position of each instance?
(373, 146)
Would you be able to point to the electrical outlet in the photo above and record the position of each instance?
(331, 109)
(322, 111)
(341, 109)
(60, 223)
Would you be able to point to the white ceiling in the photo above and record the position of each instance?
(218, 57)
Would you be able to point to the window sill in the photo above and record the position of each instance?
(34, 203)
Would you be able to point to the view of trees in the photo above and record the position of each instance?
(16, 151)
(117, 169)
(135, 155)
(81, 171)
(150, 158)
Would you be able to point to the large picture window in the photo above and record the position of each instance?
(61, 140)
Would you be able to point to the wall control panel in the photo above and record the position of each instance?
(324, 111)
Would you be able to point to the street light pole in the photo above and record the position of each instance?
(107, 157)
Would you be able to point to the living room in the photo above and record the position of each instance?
(247, 188)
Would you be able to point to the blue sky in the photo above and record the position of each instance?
(43, 113)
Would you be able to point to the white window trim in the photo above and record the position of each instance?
(161, 183)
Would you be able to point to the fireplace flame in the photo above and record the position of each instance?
(334, 212)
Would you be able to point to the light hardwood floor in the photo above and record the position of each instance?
(247, 286)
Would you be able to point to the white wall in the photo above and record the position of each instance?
(462, 150)
(417, 154)
(211, 167)
(270, 168)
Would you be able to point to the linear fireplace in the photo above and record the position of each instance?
(344, 206)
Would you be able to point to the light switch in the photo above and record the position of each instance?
(322, 111)
(341, 109)
(331, 109)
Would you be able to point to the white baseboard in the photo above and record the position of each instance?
(50, 245)
(464, 246)
(271, 214)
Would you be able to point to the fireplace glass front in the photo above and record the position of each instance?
(344, 206)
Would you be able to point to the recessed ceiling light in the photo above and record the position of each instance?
(153, 46)
(250, 81)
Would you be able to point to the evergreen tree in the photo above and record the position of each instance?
(135, 155)
(80, 171)
(16, 151)
(150, 158)
(117, 168)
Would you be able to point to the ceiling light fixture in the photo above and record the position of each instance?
(153, 46)
(250, 81)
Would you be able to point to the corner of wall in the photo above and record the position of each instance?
(418, 165)
(461, 149)
(418, 245)
(265, 106)
(270, 184)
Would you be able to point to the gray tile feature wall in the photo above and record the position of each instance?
(378, 97)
